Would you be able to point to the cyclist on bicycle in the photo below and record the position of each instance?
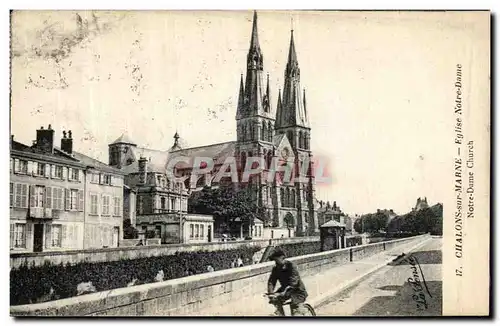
(291, 286)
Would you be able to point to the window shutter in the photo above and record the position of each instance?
(29, 230)
(52, 171)
(18, 195)
(63, 239)
(13, 193)
(34, 167)
(55, 192)
(11, 164)
(64, 172)
(48, 238)
(66, 199)
(47, 170)
(48, 197)
(12, 235)
(80, 200)
(80, 175)
(17, 167)
(32, 195)
(30, 167)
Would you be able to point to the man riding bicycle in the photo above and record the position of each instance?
(291, 286)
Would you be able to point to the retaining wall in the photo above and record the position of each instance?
(186, 296)
(114, 254)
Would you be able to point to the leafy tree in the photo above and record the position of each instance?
(358, 226)
(225, 204)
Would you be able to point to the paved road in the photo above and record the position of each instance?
(388, 292)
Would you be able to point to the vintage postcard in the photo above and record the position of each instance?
(250, 163)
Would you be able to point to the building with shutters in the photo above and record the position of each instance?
(54, 193)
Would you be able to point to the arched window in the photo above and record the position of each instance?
(269, 131)
(252, 132)
(243, 160)
(282, 196)
(287, 201)
(263, 136)
(306, 141)
(293, 198)
(269, 159)
(301, 139)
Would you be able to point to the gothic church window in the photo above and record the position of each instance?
(287, 201)
(269, 131)
(264, 131)
(282, 196)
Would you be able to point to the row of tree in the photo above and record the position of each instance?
(420, 221)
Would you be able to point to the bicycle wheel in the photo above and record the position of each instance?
(310, 310)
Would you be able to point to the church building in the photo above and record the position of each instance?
(261, 131)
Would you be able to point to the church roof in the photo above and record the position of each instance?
(219, 152)
(123, 139)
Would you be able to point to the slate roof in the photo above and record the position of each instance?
(332, 223)
(218, 152)
(57, 156)
(157, 160)
(96, 164)
(123, 139)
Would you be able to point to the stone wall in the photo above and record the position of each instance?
(114, 254)
(188, 295)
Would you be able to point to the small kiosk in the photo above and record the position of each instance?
(332, 235)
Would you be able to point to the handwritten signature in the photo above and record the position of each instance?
(419, 286)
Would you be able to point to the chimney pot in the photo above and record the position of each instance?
(50, 127)
(41, 128)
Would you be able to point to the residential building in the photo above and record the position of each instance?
(160, 204)
(51, 197)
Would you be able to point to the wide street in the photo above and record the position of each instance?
(396, 289)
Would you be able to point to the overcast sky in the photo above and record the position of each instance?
(379, 87)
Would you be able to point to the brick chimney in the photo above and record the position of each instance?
(45, 139)
(67, 142)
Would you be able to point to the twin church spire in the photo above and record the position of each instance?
(254, 99)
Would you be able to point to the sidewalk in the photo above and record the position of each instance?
(321, 287)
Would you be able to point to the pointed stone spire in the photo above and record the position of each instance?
(279, 107)
(292, 55)
(293, 106)
(254, 85)
(254, 42)
(267, 88)
(241, 98)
